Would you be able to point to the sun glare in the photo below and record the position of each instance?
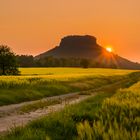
(109, 49)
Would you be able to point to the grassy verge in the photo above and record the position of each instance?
(38, 105)
(62, 125)
(20, 89)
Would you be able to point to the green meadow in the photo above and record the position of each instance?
(112, 114)
(70, 72)
(36, 83)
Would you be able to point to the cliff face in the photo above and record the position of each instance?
(87, 47)
(78, 41)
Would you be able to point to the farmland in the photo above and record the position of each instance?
(110, 114)
(71, 72)
(36, 83)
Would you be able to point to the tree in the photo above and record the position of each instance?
(8, 61)
(26, 60)
(85, 63)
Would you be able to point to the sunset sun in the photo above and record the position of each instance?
(109, 49)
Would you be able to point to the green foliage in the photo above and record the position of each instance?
(8, 62)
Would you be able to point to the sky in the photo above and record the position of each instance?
(35, 26)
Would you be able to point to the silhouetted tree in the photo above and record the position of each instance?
(8, 61)
(26, 60)
(85, 63)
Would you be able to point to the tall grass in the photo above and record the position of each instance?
(118, 119)
(24, 88)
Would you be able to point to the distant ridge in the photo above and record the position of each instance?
(86, 47)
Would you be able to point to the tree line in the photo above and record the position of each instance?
(10, 62)
(49, 61)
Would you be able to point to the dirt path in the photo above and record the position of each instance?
(11, 118)
(12, 109)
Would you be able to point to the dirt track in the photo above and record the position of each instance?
(9, 117)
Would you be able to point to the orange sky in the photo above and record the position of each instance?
(34, 26)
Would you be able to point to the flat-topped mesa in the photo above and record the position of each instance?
(74, 41)
(75, 46)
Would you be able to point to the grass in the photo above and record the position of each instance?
(17, 89)
(63, 125)
(71, 72)
(118, 118)
(38, 105)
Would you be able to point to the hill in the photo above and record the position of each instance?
(86, 47)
